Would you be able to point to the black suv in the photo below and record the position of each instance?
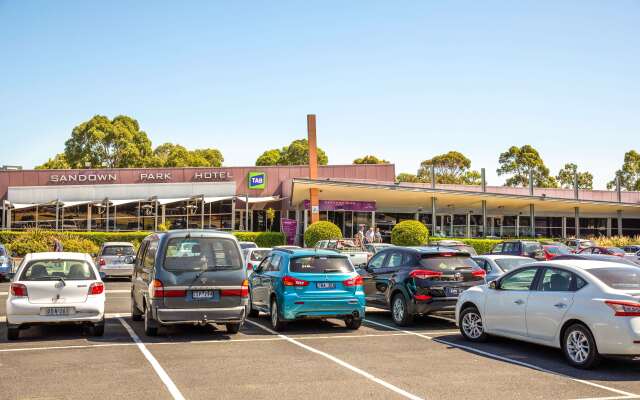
(524, 248)
(414, 281)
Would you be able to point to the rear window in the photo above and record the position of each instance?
(198, 254)
(47, 270)
(258, 255)
(118, 251)
(529, 247)
(616, 250)
(557, 250)
(621, 278)
(507, 264)
(321, 265)
(450, 263)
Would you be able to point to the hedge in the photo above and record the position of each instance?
(409, 233)
(321, 230)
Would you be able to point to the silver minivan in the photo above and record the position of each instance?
(189, 277)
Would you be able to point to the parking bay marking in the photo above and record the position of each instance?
(625, 395)
(173, 389)
(108, 291)
(338, 361)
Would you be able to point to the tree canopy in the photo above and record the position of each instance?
(567, 175)
(370, 159)
(519, 162)
(59, 161)
(629, 173)
(452, 168)
(175, 155)
(405, 177)
(296, 153)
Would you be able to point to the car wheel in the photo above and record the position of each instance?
(150, 328)
(353, 323)
(13, 332)
(399, 311)
(136, 314)
(471, 325)
(233, 328)
(98, 328)
(276, 323)
(252, 312)
(579, 347)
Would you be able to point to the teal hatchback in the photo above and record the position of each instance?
(293, 284)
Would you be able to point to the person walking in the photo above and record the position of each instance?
(57, 245)
(378, 236)
(359, 239)
(371, 235)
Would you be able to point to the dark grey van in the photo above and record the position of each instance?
(189, 277)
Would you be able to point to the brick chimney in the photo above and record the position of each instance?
(313, 167)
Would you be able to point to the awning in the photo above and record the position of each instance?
(124, 201)
(254, 200)
(66, 204)
(174, 200)
(214, 199)
(17, 206)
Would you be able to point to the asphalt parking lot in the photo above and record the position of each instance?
(312, 359)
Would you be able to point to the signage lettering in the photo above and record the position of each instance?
(72, 178)
(257, 180)
(212, 176)
(156, 176)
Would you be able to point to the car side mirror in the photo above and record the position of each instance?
(10, 275)
(94, 255)
(494, 285)
(102, 275)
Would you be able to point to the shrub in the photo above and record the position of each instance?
(409, 233)
(321, 230)
(261, 239)
(79, 245)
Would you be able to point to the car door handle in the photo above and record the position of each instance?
(560, 305)
(519, 302)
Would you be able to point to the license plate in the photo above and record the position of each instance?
(325, 285)
(202, 294)
(452, 291)
(56, 311)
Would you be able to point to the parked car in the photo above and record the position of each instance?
(116, 259)
(496, 265)
(577, 244)
(523, 248)
(589, 309)
(611, 251)
(358, 255)
(598, 257)
(455, 244)
(253, 257)
(374, 248)
(412, 281)
(247, 245)
(633, 249)
(53, 288)
(293, 284)
(207, 284)
(552, 251)
(6, 263)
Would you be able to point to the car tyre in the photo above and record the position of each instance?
(353, 323)
(579, 347)
(471, 325)
(399, 311)
(274, 315)
(150, 327)
(13, 332)
(233, 328)
(98, 328)
(136, 314)
(252, 311)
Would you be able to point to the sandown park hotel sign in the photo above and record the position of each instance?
(139, 176)
(81, 178)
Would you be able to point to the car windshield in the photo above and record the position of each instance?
(259, 255)
(615, 250)
(447, 263)
(621, 278)
(46, 270)
(507, 264)
(202, 253)
(321, 265)
(118, 251)
(248, 245)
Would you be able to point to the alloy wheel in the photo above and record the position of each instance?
(398, 309)
(578, 347)
(472, 325)
(274, 314)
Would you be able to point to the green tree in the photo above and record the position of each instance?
(452, 168)
(405, 177)
(519, 162)
(629, 173)
(116, 143)
(567, 175)
(59, 161)
(369, 159)
(296, 153)
(175, 155)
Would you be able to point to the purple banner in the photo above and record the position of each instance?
(289, 227)
(343, 205)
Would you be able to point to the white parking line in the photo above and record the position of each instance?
(106, 291)
(625, 395)
(173, 389)
(338, 361)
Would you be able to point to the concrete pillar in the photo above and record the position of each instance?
(89, 217)
(451, 226)
(373, 219)
(530, 183)
(37, 215)
(155, 216)
(468, 235)
(233, 214)
(306, 220)
(433, 216)
(313, 167)
(246, 213)
(115, 217)
(57, 213)
(483, 181)
(532, 217)
(577, 220)
(619, 216)
(202, 213)
(564, 227)
(518, 225)
(608, 226)
(484, 218)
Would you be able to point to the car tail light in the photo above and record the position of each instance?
(242, 292)
(158, 291)
(18, 290)
(96, 288)
(479, 273)
(424, 274)
(102, 262)
(422, 297)
(447, 254)
(249, 267)
(624, 308)
(356, 281)
(291, 281)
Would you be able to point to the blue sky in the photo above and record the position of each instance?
(401, 80)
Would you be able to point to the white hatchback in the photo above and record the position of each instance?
(589, 309)
(51, 288)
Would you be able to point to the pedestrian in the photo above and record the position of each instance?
(370, 236)
(57, 245)
(359, 239)
(378, 236)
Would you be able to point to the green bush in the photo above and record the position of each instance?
(262, 239)
(79, 245)
(409, 233)
(321, 230)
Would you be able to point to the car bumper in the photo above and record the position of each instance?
(299, 307)
(619, 336)
(117, 270)
(20, 311)
(444, 305)
(169, 316)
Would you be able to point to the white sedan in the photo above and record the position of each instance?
(51, 288)
(496, 265)
(589, 309)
